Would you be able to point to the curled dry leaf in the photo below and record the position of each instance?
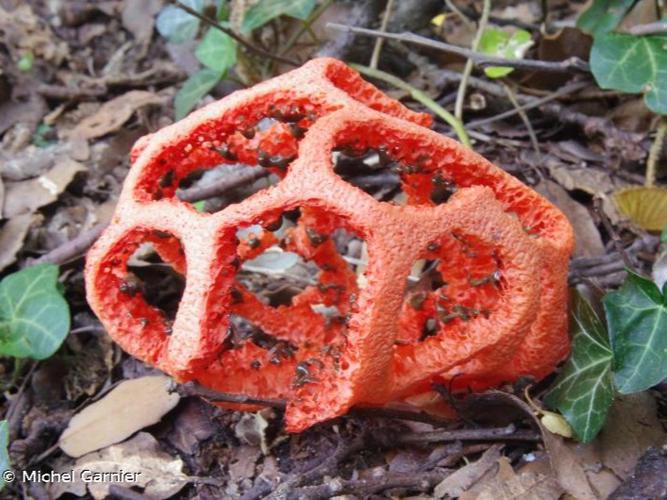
(27, 196)
(114, 113)
(589, 242)
(12, 235)
(131, 406)
(458, 482)
(141, 460)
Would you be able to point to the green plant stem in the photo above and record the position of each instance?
(418, 96)
(524, 118)
(245, 43)
(305, 27)
(375, 57)
(654, 153)
(460, 96)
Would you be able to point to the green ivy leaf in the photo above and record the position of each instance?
(265, 10)
(4, 454)
(663, 236)
(584, 391)
(637, 318)
(603, 16)
(194, 88)
(34, 316)
(176, 25)
(632, 64)
(501, 43)
(217, 51)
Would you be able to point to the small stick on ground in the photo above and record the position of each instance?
(375, 57)
(461, 94)
(618, 244)
(524, 118)
(76, 247)
(565, 66)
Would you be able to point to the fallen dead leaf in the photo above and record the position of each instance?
(131, 406)
(27, 111)
(568, 468)
(242, 463)
(139, 17)
(591, 180)
(12, 235)
(27, 196)
(30, 161)
(145, 465)
(587, 237)
(632, 427)
(461, 480)
(644, 206)
(502, 483)
(114, 113)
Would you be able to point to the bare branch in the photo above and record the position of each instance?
(482, 60)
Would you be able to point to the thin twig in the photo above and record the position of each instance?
(73, 248)
(452, 6)
(654, 153)
(618, 244)
(76, 247)
(193, 389)
(245, 176)
(461, 93)
(565, 66)
(568, 89)
(375, 57)
(656, 28)
(508, 433)
(232, 34)
(524, 117)
(419, 96)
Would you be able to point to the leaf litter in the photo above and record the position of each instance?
(102, 76)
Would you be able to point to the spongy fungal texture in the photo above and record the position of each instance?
(496, 309)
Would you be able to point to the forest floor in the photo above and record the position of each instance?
(63, 161)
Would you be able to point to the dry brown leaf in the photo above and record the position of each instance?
(27, 196)
(114, 113)
(644, 206)
(139, 17)
(587, 236)
(632, 427)
(568, 468)
(145, 465)
(458, 482)
(593, 181)
(242, 462)
(12, 235)
(503, 483)
(131, 406)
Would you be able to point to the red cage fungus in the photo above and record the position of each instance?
(465, 281)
